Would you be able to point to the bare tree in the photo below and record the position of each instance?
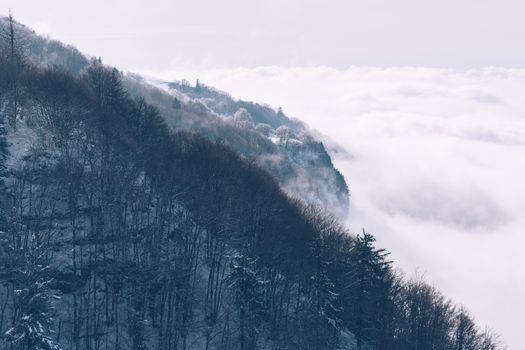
(16, 60)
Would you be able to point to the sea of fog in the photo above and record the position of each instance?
(435, 161)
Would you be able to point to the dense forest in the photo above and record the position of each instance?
(120, 232)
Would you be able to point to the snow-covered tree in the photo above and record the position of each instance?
(264, 129)
(243, 118)
(284, 134)
(324, 298)
(246, 284)
(34, 312)
(325, 294)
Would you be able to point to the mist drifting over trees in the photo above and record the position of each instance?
(123, 229)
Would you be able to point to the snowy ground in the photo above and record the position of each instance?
(435, 163)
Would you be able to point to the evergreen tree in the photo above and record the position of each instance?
(33, 324)
(369, 277)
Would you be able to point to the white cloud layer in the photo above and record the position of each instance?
(435, 161)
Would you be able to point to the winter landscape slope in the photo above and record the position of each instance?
(280, 145)
(120, 229)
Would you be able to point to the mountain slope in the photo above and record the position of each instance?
(118, 232)
(282, 146)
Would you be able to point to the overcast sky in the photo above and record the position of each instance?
(436, 156)
(173, 34)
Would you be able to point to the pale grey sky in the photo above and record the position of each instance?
(197, 34)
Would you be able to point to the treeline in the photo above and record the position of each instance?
(118, 233)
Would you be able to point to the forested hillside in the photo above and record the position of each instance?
(282, 146)
(119, 232)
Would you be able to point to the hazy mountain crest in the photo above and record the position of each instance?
(281, 145)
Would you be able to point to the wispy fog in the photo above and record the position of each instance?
(435, 160)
